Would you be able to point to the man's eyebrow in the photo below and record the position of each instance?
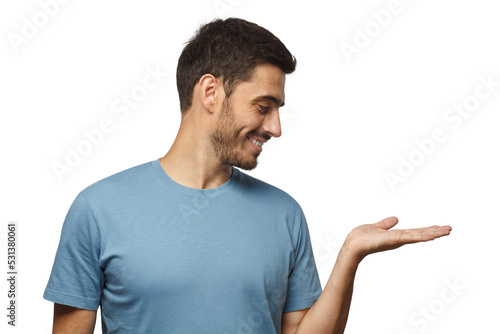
(271, 98)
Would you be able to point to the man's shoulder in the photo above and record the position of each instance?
(267, 191)
(120, 182)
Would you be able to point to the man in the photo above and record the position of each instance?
(190, 244)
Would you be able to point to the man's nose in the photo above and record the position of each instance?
(272, 124)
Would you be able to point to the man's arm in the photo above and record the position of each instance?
(329, 313)
(68, 319)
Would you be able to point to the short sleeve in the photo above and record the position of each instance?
(304, 286)
(76, 278)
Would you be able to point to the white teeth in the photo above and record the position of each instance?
(258, 143)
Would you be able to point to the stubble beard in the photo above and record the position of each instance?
(226, 143)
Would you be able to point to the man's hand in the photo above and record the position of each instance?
(330, 312)
(372, 238)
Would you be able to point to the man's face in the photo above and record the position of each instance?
(249, 118)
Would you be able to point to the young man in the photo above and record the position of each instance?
(190, 244)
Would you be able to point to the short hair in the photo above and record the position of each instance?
(230, 49)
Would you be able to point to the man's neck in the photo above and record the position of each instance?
(190, 162)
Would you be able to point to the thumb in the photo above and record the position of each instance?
(387, 223)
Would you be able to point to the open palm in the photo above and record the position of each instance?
(373, 238)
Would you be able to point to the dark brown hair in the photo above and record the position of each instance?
(229, 49)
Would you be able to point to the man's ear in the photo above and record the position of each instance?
(209, 92)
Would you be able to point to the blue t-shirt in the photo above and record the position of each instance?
(159, 257)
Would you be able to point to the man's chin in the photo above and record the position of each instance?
(246, 165)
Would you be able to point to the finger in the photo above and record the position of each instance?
(436, 232)
(429, 229)
(439, 227)
(387, 223)
(414, 236)
(424, 234)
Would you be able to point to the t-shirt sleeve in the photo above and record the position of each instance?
(76, 278)
(304, 286)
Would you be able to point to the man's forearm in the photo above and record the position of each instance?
(329, 313)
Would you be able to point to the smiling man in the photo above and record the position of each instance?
(257, 101)
(189, 243)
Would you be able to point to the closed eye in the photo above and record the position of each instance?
(264, 109)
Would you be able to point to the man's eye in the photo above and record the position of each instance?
(264, 109)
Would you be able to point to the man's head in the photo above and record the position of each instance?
(229, 49)
(231, 82)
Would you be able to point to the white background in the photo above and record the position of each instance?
(345, 124)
